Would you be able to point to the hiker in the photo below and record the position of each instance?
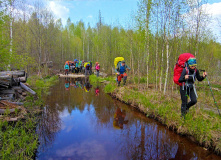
(76, 67)
(187, 78)
(66, 67)
(97, 68)
(72, 67)
(121, 72)
(82, 67)
(90, 67)
(87, 69)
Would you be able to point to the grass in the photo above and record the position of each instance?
(18, 140)
(203, 125)
(95, 79)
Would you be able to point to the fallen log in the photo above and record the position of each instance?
(13, 73)
(3, 86)
(6, 81)
(8, 97)
(5, 98)
(9, 91)
(12, 110)
(27, 88)
(17, 103)
(16, 88)
(23, 79)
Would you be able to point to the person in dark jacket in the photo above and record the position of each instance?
(87, 69)
(187, 78)
(121, 72)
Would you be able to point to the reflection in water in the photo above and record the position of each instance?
(67, 83)
(87, 85)
(81, 125)
(97, 91)
(49, 124)
(119, 117)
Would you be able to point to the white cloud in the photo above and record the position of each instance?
(86, 150)
(90, 16)
(59, 10)
(215, 11)
(213, 23)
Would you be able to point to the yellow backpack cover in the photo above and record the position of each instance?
(116, 60)
(86, 64)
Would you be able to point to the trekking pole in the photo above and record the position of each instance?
(211, 91)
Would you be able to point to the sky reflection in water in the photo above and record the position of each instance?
(80, 123)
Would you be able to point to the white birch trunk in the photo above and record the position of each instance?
(167, 69)
(156, 62)
(161, 72)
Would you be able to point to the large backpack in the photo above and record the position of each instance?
(117, 60)
(180, 64)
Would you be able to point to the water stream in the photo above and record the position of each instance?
(81, 122)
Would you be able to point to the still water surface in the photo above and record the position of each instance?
(80, 122)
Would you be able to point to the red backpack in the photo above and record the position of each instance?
(180, 64)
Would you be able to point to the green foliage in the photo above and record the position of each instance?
(109, 88)
(18, 140)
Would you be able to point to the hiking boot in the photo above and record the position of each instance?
(118, 84)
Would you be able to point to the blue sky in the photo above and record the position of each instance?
(113, 12)
(116, 12)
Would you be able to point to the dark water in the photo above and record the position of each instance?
(80, 122)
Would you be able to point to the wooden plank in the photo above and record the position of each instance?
(71, 75)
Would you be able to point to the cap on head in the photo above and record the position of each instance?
(123, 61)
(192, 62)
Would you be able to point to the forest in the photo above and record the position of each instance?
(157, 34)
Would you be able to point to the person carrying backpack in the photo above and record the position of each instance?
(66, 68)
(121, 72)
(87, 69)
(188, 76)
(76, 67)
(97, 67)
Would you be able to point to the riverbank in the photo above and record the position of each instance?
(202, 124)
(18, 140)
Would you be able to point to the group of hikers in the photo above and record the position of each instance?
(185, 74)
(80, 67)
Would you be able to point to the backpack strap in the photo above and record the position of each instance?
(187, 71)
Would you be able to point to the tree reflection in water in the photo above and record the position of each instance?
(136, 137)
(48, 126)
